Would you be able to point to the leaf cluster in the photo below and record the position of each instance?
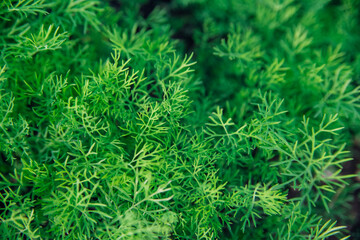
(110, 130)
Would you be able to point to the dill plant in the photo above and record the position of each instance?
(110, 130)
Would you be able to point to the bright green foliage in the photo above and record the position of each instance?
(110, 128)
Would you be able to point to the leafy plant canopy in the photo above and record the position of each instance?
(183, 119)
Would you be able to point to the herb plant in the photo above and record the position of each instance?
(183, 119)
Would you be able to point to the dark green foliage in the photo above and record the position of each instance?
(183, 119)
